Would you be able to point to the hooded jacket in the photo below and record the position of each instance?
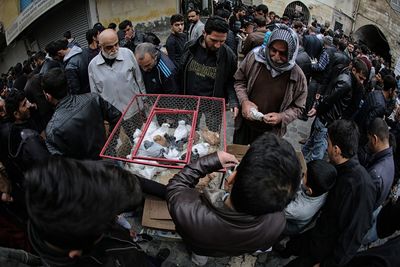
(207, 225)
(76, 71)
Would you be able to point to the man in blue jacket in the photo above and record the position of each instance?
(158, 71)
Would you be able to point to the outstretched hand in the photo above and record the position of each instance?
(227, 160)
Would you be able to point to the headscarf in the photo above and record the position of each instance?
(286, 34)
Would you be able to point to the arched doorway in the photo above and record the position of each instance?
(373, 37)
(297, 10)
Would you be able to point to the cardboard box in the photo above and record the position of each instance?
(237, 150)
(240, 150)
(156, 214)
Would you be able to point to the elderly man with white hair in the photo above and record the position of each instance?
(114, 73)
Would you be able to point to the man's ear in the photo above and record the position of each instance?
(16, 114)
(375, 139)
(337, 150)
(74, 253)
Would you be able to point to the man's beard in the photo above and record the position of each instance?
(111, 55)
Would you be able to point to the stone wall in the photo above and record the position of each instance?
(145, 15)
(331, 10)
(382, 15)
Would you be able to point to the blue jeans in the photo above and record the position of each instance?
(317, 143)
(372, 234)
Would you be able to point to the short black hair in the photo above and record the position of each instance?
(176, 18)
(54, 82)
(18, 68)
(364, 49)
(379, 128)
(71, 202)
(267, 178)
(223, 13)
(13, 100)
(67, 34)
(345, 135)
(342, 45)
(389, 82)
(98, 27)
(193, 10)
(90, 34)
(321, 176)
(262, 8)
(260, 21)
(112, 25)
(124, 24)
(216, 24)
(360, 66)
(53, 47)
(39, 55)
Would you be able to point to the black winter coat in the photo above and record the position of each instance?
(373, 107)
(174, 45)
(341, 99)
(304, 62)
(76, 71)
(76, 129)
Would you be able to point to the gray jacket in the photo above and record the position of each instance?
(196, 30)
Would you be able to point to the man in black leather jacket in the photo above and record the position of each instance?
(76, 129)
(341, 101)
(245, 217)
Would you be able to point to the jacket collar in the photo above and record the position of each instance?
(351, 163)
(381, 155)
(100, 60)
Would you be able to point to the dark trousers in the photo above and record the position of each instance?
(313, 88)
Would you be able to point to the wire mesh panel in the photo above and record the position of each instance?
(167, 131)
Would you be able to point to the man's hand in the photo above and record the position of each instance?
(272, 118)
(235, 111)
(312, 112)
(6, 197)
(246, 106)
(227, 160)
(317, 265)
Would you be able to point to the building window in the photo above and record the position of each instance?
(395, 5)
(24, 4)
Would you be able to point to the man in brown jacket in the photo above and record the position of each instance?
(270, 87)
(247, 215)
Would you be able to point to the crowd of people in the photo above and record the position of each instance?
(60, 201)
